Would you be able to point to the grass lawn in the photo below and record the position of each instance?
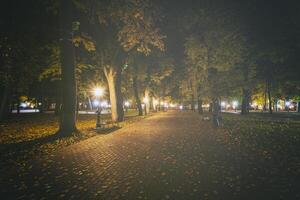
(267, 149)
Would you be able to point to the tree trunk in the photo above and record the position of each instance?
(216, 112)
(270, 98)
(18, 106)
(245, 102)
(210, 109)
(200, 109)
(113, 77)
(57, 109)
(147, 103)
(136, 95)
(265, 98)
(4, 104)
(68, 115)
(193, 103)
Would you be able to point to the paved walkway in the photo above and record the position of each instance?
(166, 156)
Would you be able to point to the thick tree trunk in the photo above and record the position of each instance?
(113, 77)
(4, 104)
(193, 103)
(245, 102)
(136, 96)
(68, 115)
(200, 109)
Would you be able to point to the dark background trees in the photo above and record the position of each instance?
(148, 48)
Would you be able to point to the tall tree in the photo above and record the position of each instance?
(68, 115)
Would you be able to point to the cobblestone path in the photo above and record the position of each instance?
(171, 155)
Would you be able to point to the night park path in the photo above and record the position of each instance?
(171, 155)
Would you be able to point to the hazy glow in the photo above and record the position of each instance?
(127, 103)
(96, 103)
(98, 92)
(104, 104)
(223, 104)
(146, 100)
(235, 103)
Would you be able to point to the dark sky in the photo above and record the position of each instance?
(262, 20)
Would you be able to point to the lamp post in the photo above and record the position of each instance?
(98, 92)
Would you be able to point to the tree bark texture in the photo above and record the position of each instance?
(68, 115)
(136, 96)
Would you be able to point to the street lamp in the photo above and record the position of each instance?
(98, 92)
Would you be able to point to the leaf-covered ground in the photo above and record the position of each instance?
(171, 155)
(26, 136)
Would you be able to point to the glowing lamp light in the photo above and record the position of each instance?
(181, 107)
(98, 92)
(287, 103)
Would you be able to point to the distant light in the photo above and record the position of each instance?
(146, 100)
(96, 103)
(98, 92)
(172, 105)
(279, 106)
(40, 103)
(287, 103)
(104, 104)
(23, 105)
(127, 103)
(223, 104)
(181, 107)
(254, 104)
(234, 104)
